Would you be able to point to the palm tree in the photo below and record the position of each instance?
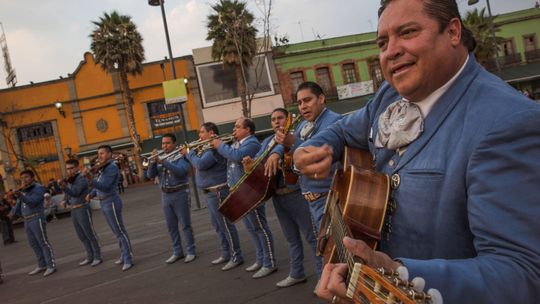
(117, 47)
(481, 27)
(234, 41)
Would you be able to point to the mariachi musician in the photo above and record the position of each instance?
(30, 206)
(312, 106)
(291, 208)
(211, 175)
(173, 174)
(75, 187)
(103, 178)
(255, 221)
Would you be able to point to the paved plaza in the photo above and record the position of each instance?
(151, 280)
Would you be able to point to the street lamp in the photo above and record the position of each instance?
(184, 128)
(58, 106)
(492, 28)
(160, 3)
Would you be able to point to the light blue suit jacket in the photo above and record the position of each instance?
(468, 205)
(249, 147)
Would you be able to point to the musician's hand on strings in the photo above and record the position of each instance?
(372, 258)
(247, 163)
(332, 286)
(287, 140)
(313, 162)
(272, 165)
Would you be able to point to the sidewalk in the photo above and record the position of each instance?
(151, 280)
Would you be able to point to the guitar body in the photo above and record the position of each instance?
(361, 194)
(254, 189)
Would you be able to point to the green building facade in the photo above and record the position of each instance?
(342, 63)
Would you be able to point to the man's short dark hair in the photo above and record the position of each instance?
(106, 147)
(73, 162)
(210, 126)
(312, 86)
(249, 124)
(443, 11)
(282, 110)
(27, 172)
(171, 136)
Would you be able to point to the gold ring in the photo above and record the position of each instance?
(334, 299)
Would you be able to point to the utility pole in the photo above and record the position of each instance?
(11, 78)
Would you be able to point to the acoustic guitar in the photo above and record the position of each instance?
(254, 187)
(355, 207)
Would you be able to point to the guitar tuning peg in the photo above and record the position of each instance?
(418, 284)
(435, 296)
(403, 273)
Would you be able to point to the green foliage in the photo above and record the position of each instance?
(231, 29)
(117, 44)
(481, 27)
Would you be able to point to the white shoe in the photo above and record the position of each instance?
(84, 262)
(126, 267)
(230, 265)
(37, 270)
(118, 262)
(253, 267)
(290, 281)
(49, 271)
(220, 260)
(173, 258)
(264, 272)
(96, 262)
(190, 258)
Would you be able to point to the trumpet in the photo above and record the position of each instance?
(198, 145)
(202, 145)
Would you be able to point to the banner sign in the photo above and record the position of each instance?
(164, 121)
(174, 91)
(355, 89)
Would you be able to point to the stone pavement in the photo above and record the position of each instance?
(151, 280)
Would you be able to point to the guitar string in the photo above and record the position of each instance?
(338, 233)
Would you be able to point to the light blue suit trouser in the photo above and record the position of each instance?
(295, 219)
(226, 231)
(82, 221)
(112, 210)
(36, 233)
(257, 226)
(177, 210)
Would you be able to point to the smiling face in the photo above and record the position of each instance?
(416, 58)
(309, 105)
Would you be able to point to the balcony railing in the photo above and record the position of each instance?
(510, 59)
(532, 55)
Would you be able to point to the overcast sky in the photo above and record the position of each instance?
(47, 38)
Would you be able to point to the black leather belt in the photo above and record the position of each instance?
(175, 188)
(285, 190)
(311, 197)
(214, 188)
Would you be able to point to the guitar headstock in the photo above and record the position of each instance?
(381, 286)
(292, 121)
